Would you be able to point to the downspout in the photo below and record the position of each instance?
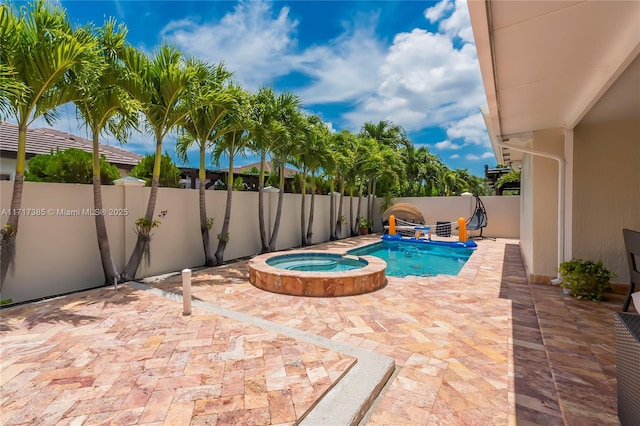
(561, 178)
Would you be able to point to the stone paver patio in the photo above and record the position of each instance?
(484, 347)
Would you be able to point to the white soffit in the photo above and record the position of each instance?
(545, 64)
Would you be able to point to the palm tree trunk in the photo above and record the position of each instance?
(276, 225)
(222, 241)
(263, 232)
(8, 241)
(202, 196)
(332, 213)
(313, 200)
(360, 190)
(303, 234)
(352, 223)
(409, 191)
(340, 205)
(369, 199)
(111, 274)
(142, 242)
(10, 230)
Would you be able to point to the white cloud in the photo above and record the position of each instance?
(458, 24)
(454, 156)
(425, 80)
(252, 41)
(436, 12)
(471, 129)
(475, 157)
(345, 69)
(447, 145)
(421, 80)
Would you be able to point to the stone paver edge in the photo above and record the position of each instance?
(350, 398)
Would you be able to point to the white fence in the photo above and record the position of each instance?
(57, 252)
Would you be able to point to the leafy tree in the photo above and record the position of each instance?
(169, 173)
(72, 165)
(271, 123)
(163, 84)
(511, 176)
(253, 170)
(309, 160)
(231, 143)
(43, 60)
(211, 102)
(107, 108)
(385, 132)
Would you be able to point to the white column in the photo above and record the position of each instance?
(568, 194)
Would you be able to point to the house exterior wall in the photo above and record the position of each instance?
(57, 251)
(8, 166)
(539, 208)
(606, 191)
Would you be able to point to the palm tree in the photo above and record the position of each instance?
(262, 125)
(269, 130)
(162, 85)
(10, 87)
(364, 166)
(309, 160)
(202, 126)
(285, 148)
(42, 54)
(108, 106)
(388, 169)
(344, 150)
(232, 141)
(385, 132)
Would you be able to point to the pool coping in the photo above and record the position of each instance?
(369, 278)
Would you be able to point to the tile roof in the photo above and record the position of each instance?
(43, 141)
(288, 172)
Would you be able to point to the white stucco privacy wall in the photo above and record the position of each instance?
(57, 252)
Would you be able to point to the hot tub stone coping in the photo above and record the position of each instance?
(369, 278)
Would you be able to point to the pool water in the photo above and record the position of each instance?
(316, 262)
(404, 259)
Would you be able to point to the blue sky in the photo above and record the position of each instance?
(411, 62)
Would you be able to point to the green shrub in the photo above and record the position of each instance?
(69, 166)
(585, 279)
(169, 173)
(365, 223)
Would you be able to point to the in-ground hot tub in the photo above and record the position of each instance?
(317, 274)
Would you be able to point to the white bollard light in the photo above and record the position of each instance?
(186, 292)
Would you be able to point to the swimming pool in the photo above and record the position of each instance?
(316, 262)
(404, 259)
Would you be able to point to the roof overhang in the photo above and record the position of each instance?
(553, 64)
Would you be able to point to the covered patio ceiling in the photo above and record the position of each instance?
(550, 64)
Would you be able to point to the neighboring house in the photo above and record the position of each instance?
(288, 172)
(216, 178)
(491, 176)
(562, 81)
(44, 141)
